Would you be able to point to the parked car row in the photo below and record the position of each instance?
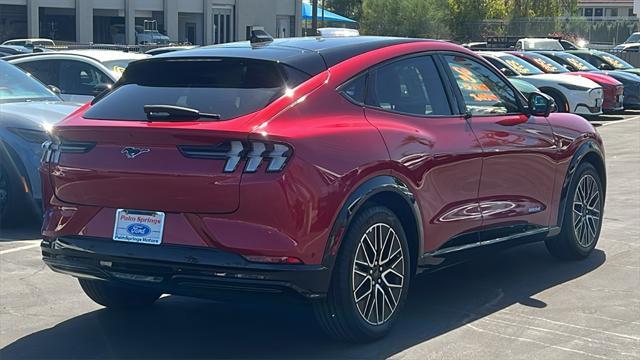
(586, 82)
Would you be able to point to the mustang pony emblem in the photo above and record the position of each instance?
(131, 152)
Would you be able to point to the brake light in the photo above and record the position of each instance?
(254, 152)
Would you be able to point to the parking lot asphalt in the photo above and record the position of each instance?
(519, 304)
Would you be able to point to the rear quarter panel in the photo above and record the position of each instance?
(570, 133)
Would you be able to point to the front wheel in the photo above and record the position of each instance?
(561, 104)
(370, 279)
(582, 216)
(117, 296)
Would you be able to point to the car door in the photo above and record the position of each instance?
(80, 81)
(518, 168)
(432, 146)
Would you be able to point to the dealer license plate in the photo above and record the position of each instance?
(139, 226)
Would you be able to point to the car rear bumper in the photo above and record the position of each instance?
(181, 270)
(613, 100)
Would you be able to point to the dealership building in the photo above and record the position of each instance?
(200, 22)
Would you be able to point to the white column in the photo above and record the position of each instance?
(207, 12)
(298, 17)
(33, 19)
(130, 21)
(84, 21)
(170, 10)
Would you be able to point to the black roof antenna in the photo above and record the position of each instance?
(260, 37)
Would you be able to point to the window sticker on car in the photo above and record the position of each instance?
(517, 66)
(545, 65)
(477, 90)
(117, 69)
(577, 64)
(613, 62)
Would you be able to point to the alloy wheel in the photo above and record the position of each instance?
(586, 211)
(378, 274)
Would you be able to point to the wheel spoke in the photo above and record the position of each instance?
(384, 244)
(392, 256)
(386, 281)
(586, 210)
(368, 292)
(366, 253)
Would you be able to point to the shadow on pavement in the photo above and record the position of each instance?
(177, 327)
(26, 232)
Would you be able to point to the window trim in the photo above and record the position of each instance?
(449, 93)
(458, 93)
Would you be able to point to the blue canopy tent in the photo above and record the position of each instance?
(307, 12)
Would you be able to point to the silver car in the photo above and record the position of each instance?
(79, 74)
(28, 109)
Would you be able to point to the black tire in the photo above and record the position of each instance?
(338, 314)
(117, 296)
(561, 102)
(578, 238)
(12, 200)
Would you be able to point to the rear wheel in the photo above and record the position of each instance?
(370, 279)
(117, 296)
(12, 206)
(582, 216)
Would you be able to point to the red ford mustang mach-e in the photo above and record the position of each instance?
(331, 168)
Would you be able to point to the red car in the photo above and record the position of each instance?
(613, 89)
(334, 169)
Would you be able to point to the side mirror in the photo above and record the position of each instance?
(54, 89)
(540, 104)
(504, 71)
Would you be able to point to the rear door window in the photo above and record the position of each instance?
(230, 87)
(411, 86)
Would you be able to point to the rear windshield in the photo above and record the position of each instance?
(230, 87)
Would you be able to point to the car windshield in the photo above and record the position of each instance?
(578, 63)
(519, 65)
(537, 44)
(634, 38)
(547, 65)
(117, 66)
(230, 87)
(17, 86)
(614, 61)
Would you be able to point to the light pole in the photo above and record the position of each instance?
(314, 17)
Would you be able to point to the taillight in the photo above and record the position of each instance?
(53, 149)
(255, 153)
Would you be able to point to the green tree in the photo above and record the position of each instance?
(424, 18)
(349, 8)
(464, 18)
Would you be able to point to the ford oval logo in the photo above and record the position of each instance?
(138, 229)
